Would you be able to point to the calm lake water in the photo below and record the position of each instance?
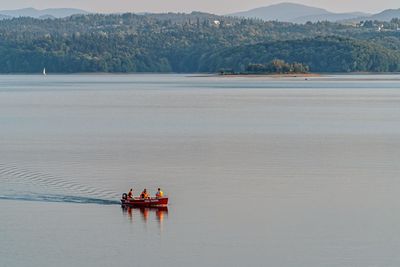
(259, 171)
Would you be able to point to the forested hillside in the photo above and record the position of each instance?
(321, 54)
(195, 42)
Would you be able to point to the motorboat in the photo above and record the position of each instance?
(144, 202)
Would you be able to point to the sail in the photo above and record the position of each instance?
(44, 71)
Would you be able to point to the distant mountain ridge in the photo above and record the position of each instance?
(385, 15)
(287, 12)
(332, 17)
(42, 14)
(283, 12)
(298, 13)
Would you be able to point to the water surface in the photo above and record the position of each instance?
(259, 171)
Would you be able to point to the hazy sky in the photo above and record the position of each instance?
(213, 6)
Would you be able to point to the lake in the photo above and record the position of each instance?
(259, 171)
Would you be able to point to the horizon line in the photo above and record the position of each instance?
(190, 11)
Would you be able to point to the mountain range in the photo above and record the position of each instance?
(297, 13)
(42, 14)
(385, 15)
(283, 12)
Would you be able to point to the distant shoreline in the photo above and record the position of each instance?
(273, 75)
(200, 74)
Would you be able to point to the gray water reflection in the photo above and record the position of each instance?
(161, 213)
(259, 171)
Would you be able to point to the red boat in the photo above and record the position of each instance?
(144, 202)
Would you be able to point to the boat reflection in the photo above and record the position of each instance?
(160, 213)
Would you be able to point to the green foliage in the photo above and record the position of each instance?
(277, 66)
(189, 43)
(321, 54)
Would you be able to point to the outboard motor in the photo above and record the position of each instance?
(124, 196)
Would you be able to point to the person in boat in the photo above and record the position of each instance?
(130, 193)
(159, 193)
(144, 194)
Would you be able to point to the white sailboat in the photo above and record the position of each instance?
(44, 71)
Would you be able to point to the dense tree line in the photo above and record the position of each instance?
(321, 54)
(196, 42)
(277, 66)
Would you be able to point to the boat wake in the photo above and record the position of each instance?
(22, 184)
(60, 198)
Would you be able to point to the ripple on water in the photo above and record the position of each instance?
(23, 184)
